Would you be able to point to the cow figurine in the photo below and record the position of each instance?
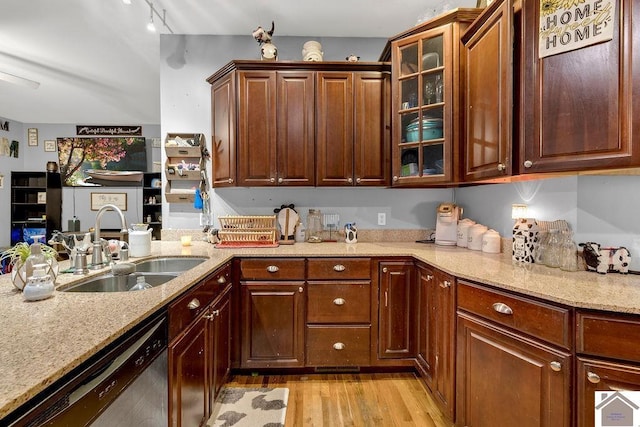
(603, 260)
(268, 51)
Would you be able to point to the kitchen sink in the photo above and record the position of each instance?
(110, 283)
(169, 264)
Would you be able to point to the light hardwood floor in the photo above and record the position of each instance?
(393, 399)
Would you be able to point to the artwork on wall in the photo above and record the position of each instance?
(115, 161)
(50, 145)
(32, 137)
(98, 200)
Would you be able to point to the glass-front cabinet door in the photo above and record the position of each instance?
(426, 71)
(423, 149)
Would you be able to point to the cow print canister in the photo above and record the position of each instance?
(525, 239)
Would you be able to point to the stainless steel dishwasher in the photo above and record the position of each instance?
(125, 385)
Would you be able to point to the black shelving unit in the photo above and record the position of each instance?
(36, 205)
(152, 209)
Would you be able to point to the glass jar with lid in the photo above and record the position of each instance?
(314, 226)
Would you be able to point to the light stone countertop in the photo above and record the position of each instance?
(44, 340)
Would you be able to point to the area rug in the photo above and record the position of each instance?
(250, 407)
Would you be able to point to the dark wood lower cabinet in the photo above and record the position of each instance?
(599, 375)
(273, 324)
(188, 385)
(397, 302)
(504, 379)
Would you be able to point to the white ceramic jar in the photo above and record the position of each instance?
(312, 51)
(463, 232)
(139, 243)
(491, 242)
(474, 242)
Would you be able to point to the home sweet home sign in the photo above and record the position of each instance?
(567, 25)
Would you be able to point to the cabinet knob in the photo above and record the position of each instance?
(273, 269)
(385, 269)
(339, 267)
(272, 180)
(358, 180)
(395, 178)
(350, 180)
(339, 301)
(230, 180)
(501, 167)
(502, 308)
(216, 313)
(209, 316)
(194, 304)
(222, 280)
(280, 180)
(338, 346)
(593, 377)
(555, 366)
(300, 289)
(445, 284)
(528, 163)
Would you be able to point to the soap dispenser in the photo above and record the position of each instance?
(39, 286)
(35, 257)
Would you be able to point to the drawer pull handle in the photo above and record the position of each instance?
(445, 284)
(555, 366)
(339, 301)
(429, 277)
(222, 280)
(338, 346)
(502, 308)
(339, 267)
(194, 304)
(273, 269)
(593, 377)
(209, 316)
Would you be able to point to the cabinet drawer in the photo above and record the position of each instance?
(272, 269)
(607, 335)
(339, 268)
(338, 345)
(187, 308)
(339, 302)
(538, 319)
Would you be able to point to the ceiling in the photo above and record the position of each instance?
(98, 64)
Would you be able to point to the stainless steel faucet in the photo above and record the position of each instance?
(96, 258)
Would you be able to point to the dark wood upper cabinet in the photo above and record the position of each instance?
(300, 124)
(578, 106)
(488, 93)
(353, 132)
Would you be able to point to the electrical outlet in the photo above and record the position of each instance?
(382, 218)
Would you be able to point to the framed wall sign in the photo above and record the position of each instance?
(50, 145)
(42, 197)
(98, 200)
(32, 137)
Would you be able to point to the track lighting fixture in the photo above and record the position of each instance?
(151, 26)
(163, 18)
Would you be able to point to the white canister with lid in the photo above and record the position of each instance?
(491, 242)
(139, 243)
(463, 232)
(474, 242)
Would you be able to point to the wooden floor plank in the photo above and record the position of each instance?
(352, 399)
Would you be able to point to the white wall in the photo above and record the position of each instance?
(34, 158)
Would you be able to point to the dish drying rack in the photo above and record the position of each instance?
(248, 231)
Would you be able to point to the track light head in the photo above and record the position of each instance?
(151, 26)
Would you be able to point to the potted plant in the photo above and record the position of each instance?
(17, 256)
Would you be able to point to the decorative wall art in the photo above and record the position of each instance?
(32, 137)
(5, 151)
(567, 25)
(109, 161)
(98, 200)
(85, 130)
(50, 145)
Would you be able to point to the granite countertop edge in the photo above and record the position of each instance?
(44, 340)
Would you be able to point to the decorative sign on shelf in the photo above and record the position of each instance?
(567, 25)
(98, 200)
(85, 130)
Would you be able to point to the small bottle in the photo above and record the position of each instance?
(36, 257)
(39, 286)
(439, 89)
(141, 284)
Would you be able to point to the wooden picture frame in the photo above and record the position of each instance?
(50, 145)
(98, 200)
(32, 137)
